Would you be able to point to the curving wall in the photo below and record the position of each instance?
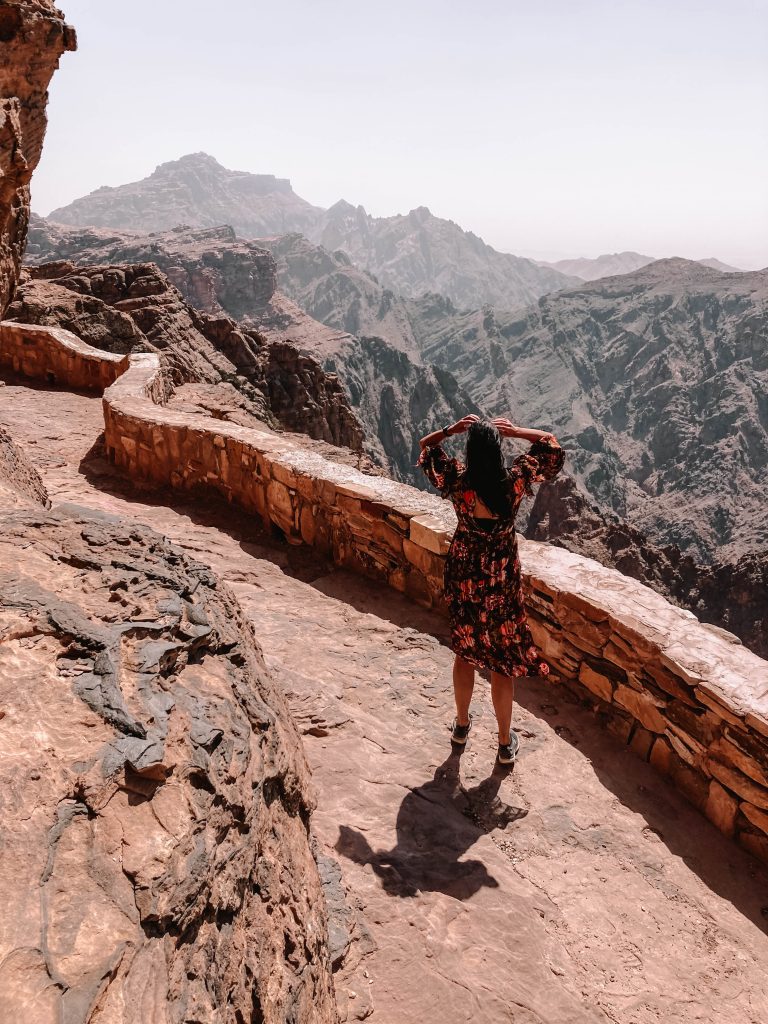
(688, 697)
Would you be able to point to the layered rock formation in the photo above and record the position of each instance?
(657, 382)
(214, 270)
(20, 482)
(33, 36)
(331, 289)
(198, 191)
(156, 798)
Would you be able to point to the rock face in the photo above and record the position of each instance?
(331, 289)
(195, 190)
(656, 381)
(20, 482)
(214, 271)
(396, 398)
(733, 595)
(417, 252)
(33, 36)
(156, 800)
(128, 308)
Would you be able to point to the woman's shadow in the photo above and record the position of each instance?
(436, 824)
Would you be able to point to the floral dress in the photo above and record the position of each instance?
(483, 587)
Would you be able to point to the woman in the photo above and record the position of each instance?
(483, 588)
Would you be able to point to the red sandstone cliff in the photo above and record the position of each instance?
(33, 36)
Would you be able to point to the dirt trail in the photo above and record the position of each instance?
(577, 888)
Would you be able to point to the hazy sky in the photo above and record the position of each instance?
(552, 128)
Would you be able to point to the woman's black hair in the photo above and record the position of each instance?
(486, 473)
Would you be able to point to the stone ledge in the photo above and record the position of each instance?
(57, 357)
(687, 697)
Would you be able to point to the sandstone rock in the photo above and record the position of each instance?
(738, 783)
(721, 808)
(133, 307)
(396, 399)
(599, 684)
(33, 37)
(20, 482)
(155, 796)
(334, 291)
(213, 270)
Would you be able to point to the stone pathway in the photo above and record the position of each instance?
(577, 888)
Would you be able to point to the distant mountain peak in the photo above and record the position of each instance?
(342, 206)
(198, 191)
(199, 159)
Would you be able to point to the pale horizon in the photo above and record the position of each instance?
(571, 130)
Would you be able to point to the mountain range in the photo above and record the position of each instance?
(657, 382)
(653, 377)
(411, 253)
(610, 264)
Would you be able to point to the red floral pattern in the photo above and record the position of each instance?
(483, 587)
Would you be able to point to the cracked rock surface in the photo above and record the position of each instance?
(156, 862)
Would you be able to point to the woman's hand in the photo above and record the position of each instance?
(505, 427)
(508, 429)
(462, 425)
(456, 428)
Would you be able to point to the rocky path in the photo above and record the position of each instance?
(577, 888)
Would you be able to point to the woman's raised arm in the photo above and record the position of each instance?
(459, 427)
(508, 429)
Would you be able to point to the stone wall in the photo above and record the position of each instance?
(57, 357)
(688, 697)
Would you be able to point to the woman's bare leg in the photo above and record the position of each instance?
(463, 685)
(503, 697)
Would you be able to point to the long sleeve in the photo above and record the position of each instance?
(441, 470)
(543, 461)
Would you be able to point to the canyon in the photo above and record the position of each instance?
(656, 382)
(228, 792)
(372, 340)
(364, 342)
